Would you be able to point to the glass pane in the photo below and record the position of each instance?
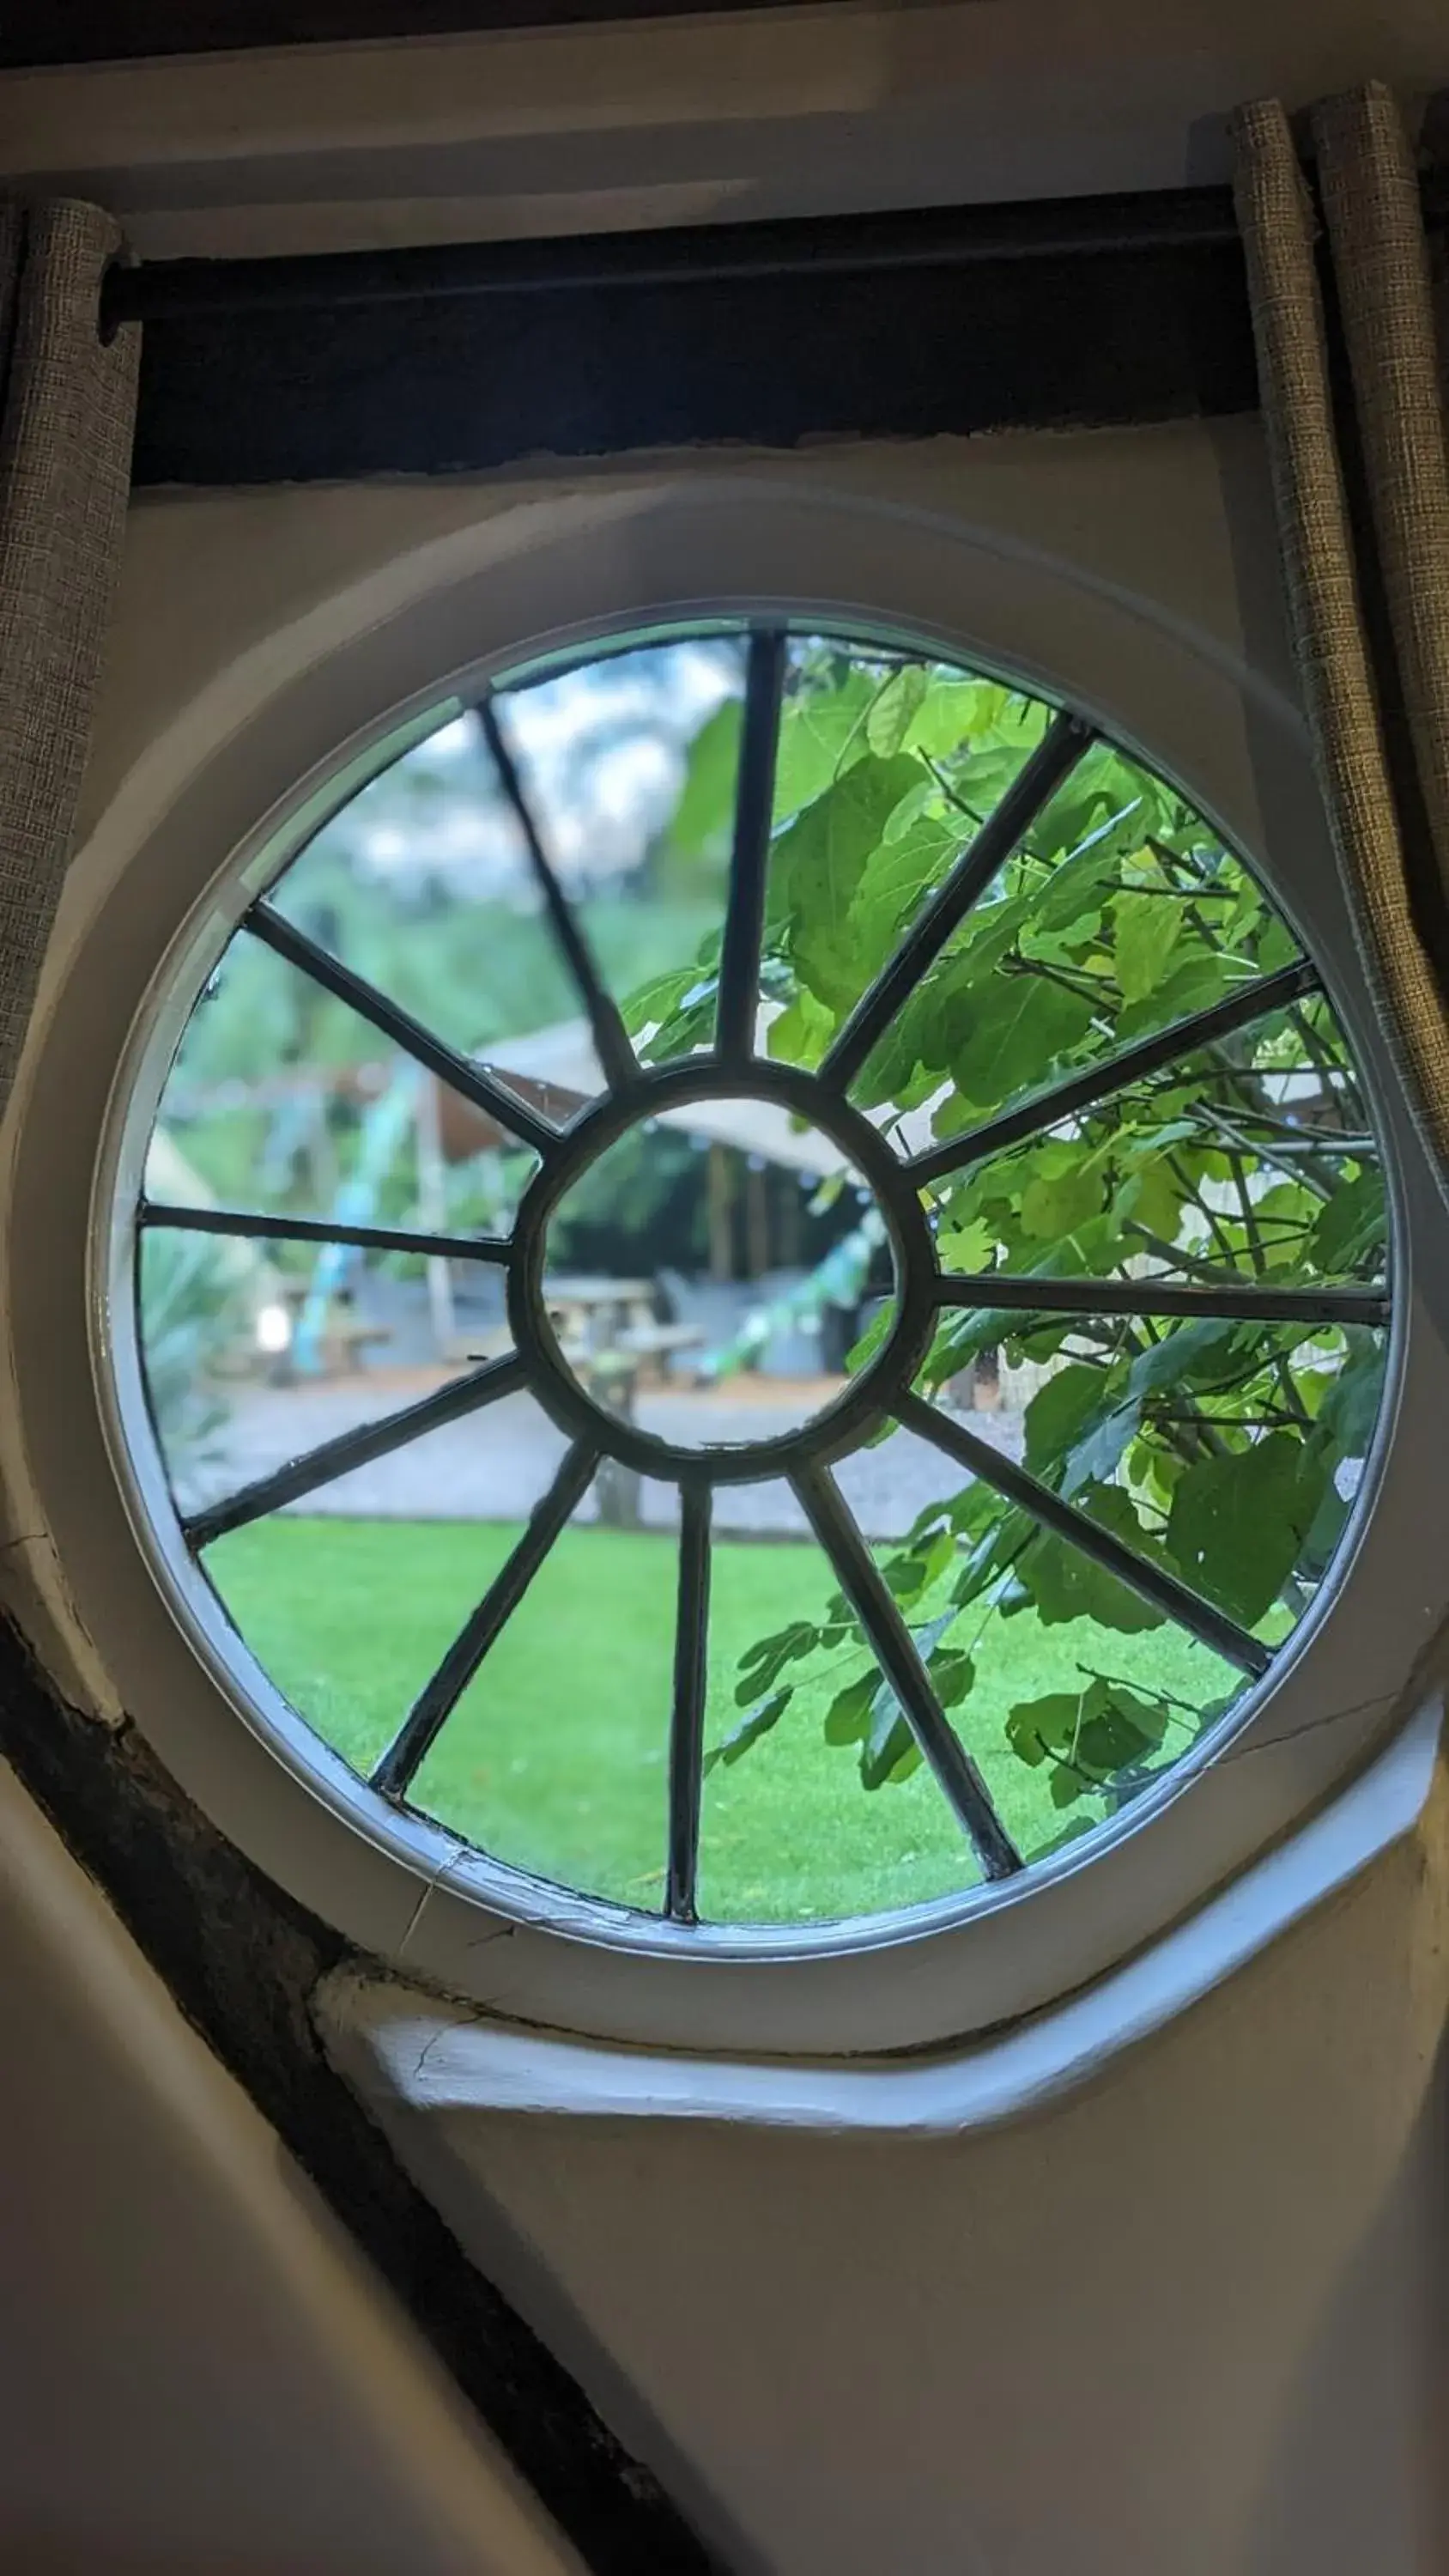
(788, 1835)
(350, 1599)
(1119, 914)
(1228, 1454)
(556, 1758)
(709, 1272)
(1068, 1717)
(282, 1099)
(347, 1616)
(629, 766)
(255, 1352)
(1249, 1160)
(424, 884)
(887, 765)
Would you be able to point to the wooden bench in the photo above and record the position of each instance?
(659, 1345)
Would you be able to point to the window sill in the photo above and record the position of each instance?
(407, 2053)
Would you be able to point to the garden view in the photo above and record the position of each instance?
(725, 1272)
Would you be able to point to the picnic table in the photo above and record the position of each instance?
(590, 1314)
(607, 1328)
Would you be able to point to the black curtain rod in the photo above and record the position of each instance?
(933, 237)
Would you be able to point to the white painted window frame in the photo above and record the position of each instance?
(531, 579)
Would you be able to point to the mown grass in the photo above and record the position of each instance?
(556, 1758)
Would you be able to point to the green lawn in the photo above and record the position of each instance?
(555, 1759)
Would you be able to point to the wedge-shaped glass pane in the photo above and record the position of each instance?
(424, 882)
(629, 765)
(887, 767)
(1228, 1451)
(351, 1599)
(284, 1099)
(1226, 1455)
(258, 1351)
(1070, 1716)
(556, 1756)
(1249, 1160)
(1120, 913)
(787, 1835)
(348, 1616)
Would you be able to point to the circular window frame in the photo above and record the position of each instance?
(408, 1890)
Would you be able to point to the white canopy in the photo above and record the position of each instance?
(563, 1057)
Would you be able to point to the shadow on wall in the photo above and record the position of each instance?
(1374, 2494)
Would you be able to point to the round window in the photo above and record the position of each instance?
(761, 1280)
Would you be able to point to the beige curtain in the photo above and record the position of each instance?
(1362, 483)
(67, 406)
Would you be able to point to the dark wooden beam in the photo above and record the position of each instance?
(108, 31)
(900, 325)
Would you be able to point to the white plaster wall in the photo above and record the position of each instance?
(1189, 2323)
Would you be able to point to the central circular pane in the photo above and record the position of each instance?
(706, 1245)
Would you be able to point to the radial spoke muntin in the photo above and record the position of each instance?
(894, 1649)
(686, 1731)
(1255, 1001)
(253, 1225)
(999, 1292)
(1210, 1627)
(738, 997)
(458, 1071)
(356, 1448)
(611, 1040)
(1053, 760)
(440, 1696)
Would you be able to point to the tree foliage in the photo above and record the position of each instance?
(1226, 1452)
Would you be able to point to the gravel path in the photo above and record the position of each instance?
(494, 1465)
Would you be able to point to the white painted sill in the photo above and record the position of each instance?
(405, 2052)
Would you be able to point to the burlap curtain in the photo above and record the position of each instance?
(1353, 406)
(67, 407)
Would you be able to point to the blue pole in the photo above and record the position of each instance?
(382, 1131)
